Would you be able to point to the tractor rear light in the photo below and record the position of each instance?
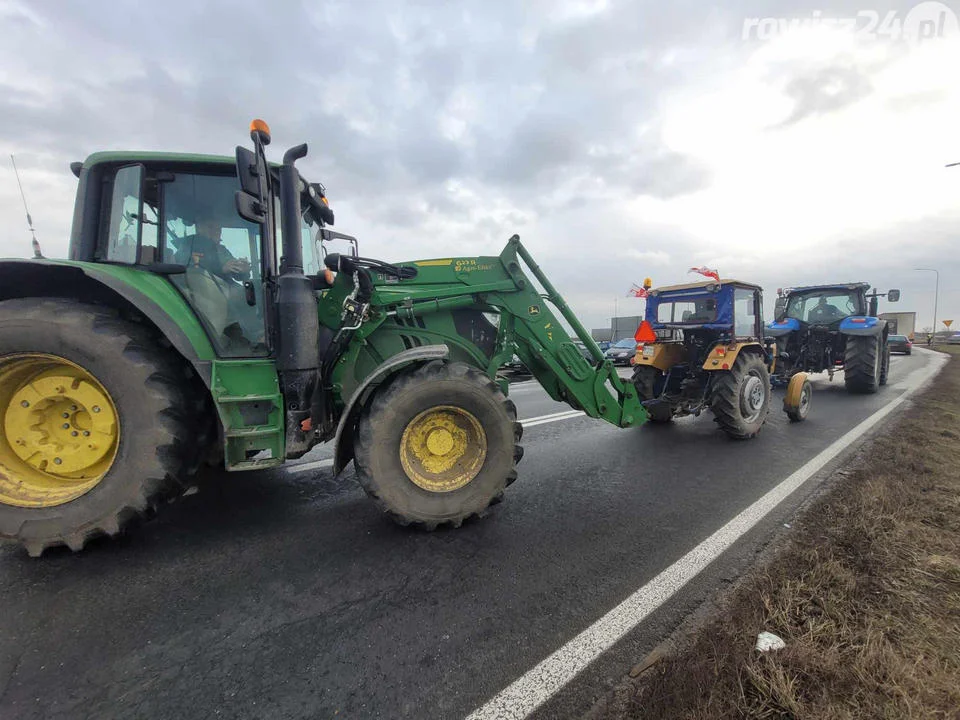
(645, 333)
(858, 320)
(838, 362)
(725, 366)
(720, 351)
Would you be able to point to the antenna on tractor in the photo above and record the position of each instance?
(33, 233)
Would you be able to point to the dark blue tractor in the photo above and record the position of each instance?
(828, 328)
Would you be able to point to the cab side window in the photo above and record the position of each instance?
(744, 312)
(132, 227)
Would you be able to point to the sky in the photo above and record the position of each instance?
(781, 143)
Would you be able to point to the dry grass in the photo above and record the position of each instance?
(867, 597)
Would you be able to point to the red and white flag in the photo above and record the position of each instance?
(637, 291)
(706, 272)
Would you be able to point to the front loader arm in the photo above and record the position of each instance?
(544, 346)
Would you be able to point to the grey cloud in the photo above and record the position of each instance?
(825, 89)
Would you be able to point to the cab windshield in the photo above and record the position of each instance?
(822, 308)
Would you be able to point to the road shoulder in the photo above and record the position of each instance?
(864, 591)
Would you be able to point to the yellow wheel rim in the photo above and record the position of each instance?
(60, 430)
(443, 448)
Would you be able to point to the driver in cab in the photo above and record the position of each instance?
(823, 311)
(214, 280)
(204, 250)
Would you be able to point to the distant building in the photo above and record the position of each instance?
(602, 334)
(901, 323)
(624, 327)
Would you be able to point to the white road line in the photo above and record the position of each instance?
(537, 685)
(543, 420)
(549, 415)
(539, 420)
(303, 467)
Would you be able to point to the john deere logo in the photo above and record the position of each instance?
(534, 309)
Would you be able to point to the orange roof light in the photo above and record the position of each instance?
(261, 127)
(645, 333)
(647, 283)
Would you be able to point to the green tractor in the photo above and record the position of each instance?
(201, 320)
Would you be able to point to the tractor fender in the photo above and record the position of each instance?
(722, 357)
(664, 357)
(779, 328)
(343, 440)
(792, 397)
(862, 326)
(86, 282)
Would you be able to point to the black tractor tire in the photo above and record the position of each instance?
(397, 405)
(862, 364)
(162, 424)
(741, 397)
(644, 380)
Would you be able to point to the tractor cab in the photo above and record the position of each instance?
(820, 306)
(728, 308)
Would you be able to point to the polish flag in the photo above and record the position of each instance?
(706, 272)
(637, 291)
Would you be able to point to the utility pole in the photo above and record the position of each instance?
(615, 325)
(936, 295)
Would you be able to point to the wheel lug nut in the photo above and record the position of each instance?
(57, 461)
(73, 407)
(25, 404)
(74, 433)
(96, 408)
(86, 433)
(66, 426)
(66, 415)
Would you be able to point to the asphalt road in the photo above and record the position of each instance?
(284, 594)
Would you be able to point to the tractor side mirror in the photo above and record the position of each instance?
(250, 208)
(249, 201)
(247, 171)
(893, 295)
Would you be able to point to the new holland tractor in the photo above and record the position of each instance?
(201, 318)
(701, 347)
(828, 328)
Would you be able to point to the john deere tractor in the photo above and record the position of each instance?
(827, 328)
(701, 347)
(203, 317)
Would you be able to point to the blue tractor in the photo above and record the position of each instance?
(701, 347)
(828, 328)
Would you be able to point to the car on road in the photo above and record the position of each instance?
(582, 347)
(515, 366)
(900, 344)
(622, 351)
(953, 339)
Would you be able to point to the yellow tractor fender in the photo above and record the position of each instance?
(722, 357)
(794, 404)
(663, 356)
